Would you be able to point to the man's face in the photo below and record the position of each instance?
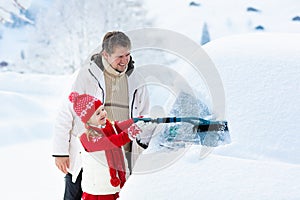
(119, 58)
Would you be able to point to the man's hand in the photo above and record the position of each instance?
(62, 163)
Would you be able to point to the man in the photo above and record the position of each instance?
(109, 76)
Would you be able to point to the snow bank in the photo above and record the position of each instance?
(28, 172)
(28, 105)
(261, 77)
(260, 74)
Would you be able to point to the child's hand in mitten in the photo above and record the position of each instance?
(133, 131)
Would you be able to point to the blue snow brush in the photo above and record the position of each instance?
(205, 132)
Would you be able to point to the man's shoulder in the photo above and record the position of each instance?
(136, 77)
(81, 72)
(89, 69)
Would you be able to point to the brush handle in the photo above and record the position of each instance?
(192, 120)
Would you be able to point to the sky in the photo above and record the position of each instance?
(260, 76)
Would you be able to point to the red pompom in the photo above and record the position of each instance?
(115, 182)
(73, 96)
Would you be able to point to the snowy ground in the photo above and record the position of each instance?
(216, 177)
(28, 171)
(28, 106)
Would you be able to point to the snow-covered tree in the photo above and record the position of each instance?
(67, 33)
(13, 12)
(64, 34)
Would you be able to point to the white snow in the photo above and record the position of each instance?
(28, 105)
(261, 78)
(260, 74)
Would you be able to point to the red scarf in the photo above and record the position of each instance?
(114, 157)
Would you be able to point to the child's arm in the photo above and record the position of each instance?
(104, 143)
(123, 125)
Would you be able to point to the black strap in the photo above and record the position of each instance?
(144, 146)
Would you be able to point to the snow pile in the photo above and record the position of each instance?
(28, 106)
(260, 73)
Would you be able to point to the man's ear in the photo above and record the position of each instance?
(105, 54)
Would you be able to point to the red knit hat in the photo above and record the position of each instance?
(84, 105)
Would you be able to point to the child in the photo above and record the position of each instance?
(104, 163)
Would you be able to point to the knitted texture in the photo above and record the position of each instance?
(84, 105)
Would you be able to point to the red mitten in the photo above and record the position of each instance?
(133, 131)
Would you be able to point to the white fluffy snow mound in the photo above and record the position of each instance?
(261, 78)
(260, 74)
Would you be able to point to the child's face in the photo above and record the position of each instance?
(99, 117)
